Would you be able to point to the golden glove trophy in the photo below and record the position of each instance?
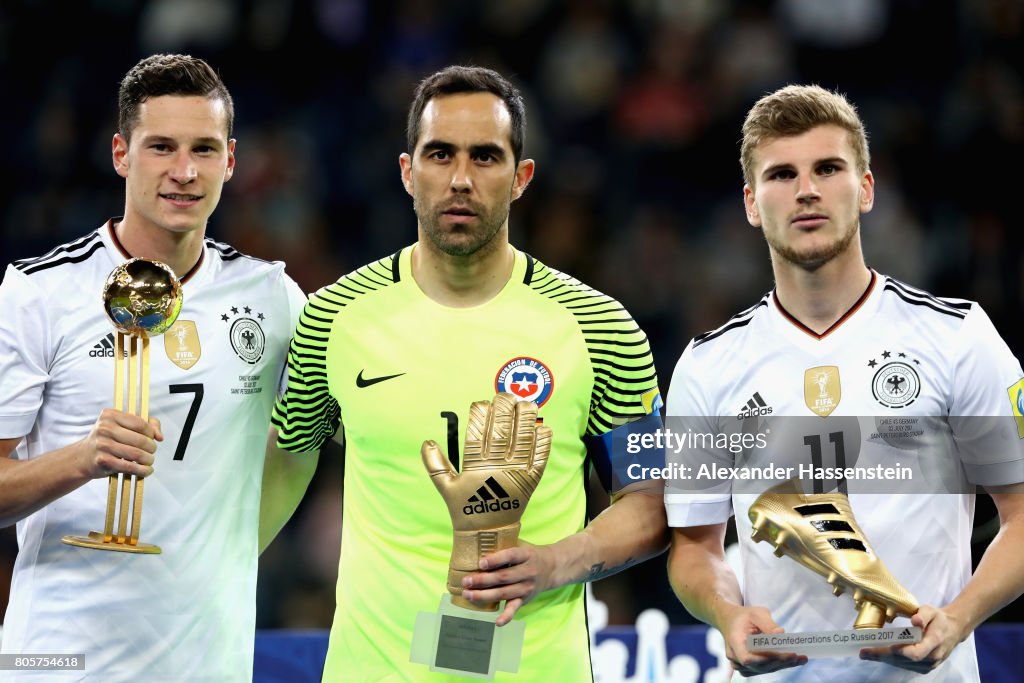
(504, 457)
(820, 532)
(142, 298)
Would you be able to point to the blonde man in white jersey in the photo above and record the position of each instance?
(188, 613)
(808, 180)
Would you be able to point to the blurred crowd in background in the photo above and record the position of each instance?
(634, 113)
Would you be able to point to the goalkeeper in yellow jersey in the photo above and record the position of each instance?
(396, 352)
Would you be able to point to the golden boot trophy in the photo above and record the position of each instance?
(142, 298)
(503, 459)
(820, 532)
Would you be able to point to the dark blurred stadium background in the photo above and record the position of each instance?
(634, 115)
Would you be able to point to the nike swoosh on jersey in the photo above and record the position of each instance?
(363, 383)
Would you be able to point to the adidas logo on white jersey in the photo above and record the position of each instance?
(754, 407)
(104, 348)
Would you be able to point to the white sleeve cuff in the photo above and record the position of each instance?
(697, 509)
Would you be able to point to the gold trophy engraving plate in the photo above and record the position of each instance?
(839, 643)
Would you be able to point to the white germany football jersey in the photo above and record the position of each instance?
(860, 394)
(189, 613)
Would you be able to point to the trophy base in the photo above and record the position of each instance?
(95, 541)
(843, 643)
(466, 642)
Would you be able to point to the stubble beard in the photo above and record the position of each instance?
(813, 259)
(461, 239)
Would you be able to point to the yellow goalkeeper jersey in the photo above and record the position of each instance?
(374, 353)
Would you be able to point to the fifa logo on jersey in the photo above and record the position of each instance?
(1016, 393)
(181, 344)
(490, 497)
(822, 389)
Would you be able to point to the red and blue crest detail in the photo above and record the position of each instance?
(525, 378)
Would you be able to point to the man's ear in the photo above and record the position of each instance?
(524, 174)
(405, 163)
(119, 154)
(867, 192)
(230, 170)
(750, 206)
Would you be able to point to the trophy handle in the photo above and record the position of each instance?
(108, 523)
(144, 414)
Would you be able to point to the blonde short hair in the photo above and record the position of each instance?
(794, 110)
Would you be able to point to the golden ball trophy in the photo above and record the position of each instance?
(142, 298)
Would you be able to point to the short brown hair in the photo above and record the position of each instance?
(794, 110)
(164, 74)
(454, 80)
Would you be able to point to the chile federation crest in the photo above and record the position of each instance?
(527, 379)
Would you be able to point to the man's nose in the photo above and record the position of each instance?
(184, 169)
(807, 189)
(462, 180)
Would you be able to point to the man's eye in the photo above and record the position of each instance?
(160, 147)
(784, 174)
(828, 169)
(440, 155)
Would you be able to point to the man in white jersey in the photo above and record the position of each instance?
(835, 340)
(188, 613)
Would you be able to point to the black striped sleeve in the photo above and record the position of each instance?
(619, 352)
(917, 297)
(72, 252)
(741, 319)
(307, 415)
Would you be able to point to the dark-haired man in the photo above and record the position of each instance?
(399, 349)
(188, 613)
